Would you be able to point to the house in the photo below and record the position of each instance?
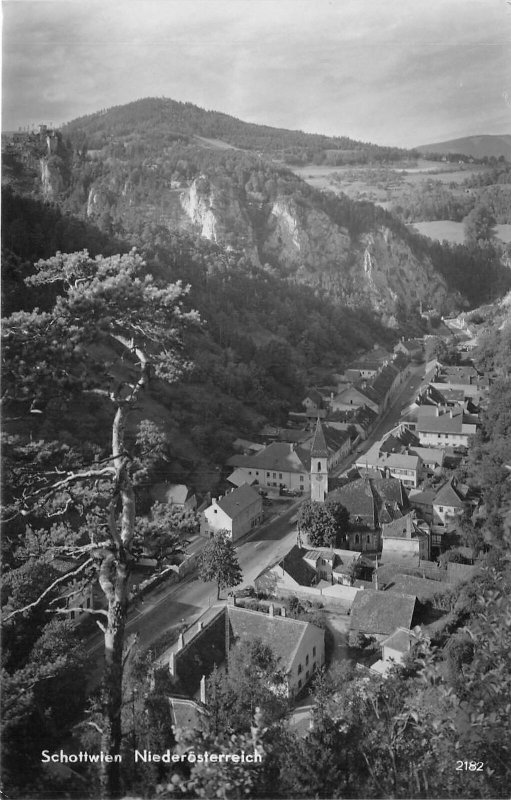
(404, 537)
(302, 567)
(446, 427)
(298, 646)
(385, 384)
(355, 395)
(237, 512)
(412, 348)
(174, 494)
(395, 648)
(241, 476)
(333, 565)
(377, 614)
(288, 573)
(371, 501)
(361, 418)
(313, 401)
(278, 465)
(403, 466)
(448, 506)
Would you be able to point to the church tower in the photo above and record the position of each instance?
(319, 465)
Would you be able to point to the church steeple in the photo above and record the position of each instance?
(319, 465)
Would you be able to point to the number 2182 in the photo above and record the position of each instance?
(469, 766)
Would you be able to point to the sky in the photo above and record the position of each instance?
(392, 72)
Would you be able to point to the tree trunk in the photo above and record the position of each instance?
(114, 580)
(218, 591)
(111, 700)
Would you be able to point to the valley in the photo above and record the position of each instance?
(255, 421)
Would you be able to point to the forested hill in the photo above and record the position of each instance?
(163, 121)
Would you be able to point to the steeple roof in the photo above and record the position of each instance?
(319, 448)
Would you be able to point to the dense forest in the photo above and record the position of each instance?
(166, 121)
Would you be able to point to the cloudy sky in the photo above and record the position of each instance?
(403, 72)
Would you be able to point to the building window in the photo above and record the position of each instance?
(274, 474)
(267, 474)
(307, 675)
(302, 478)
(440, 508)
(319, 466)
(299, 668)
(300, 683)
(314, 650)
(280, 474)
(307, 659)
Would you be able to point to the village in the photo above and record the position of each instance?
(380, 584)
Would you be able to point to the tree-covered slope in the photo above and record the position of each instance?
(166, 121)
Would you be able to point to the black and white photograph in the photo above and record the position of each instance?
(256, 400)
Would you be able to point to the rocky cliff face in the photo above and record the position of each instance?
(52, 181)
(307, 246)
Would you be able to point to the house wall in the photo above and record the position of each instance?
(444, 516)
(364, 540)
(351, 398)
(309, 657)
(215, 519)
(432, 439)
(389, 654)
(405, 546)
(295, 481)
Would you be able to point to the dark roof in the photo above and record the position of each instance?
(380, 613)
(315, 396)
(423, 588)
(357, 497)
(282, 634)
(237, 500)
(382, 383)
(293, 563)
(399, 528)
(389, 490)
(448, 496)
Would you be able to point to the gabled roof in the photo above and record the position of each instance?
(283, 635)
(239, 477)
(380, 613)
(176, 493)
(401, 640)
(357, 497)
(448, 496)
(402, 528)
(293, 563)
(238, 500)
(447, 422)
(280, 456)
(382, 383)
(315, 396)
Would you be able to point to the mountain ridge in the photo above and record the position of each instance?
(477, 146)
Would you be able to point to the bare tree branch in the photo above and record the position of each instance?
(98, 611)
(50, 588)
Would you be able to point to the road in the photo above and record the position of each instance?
(170, 607)
(389, 419)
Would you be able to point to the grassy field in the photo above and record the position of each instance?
(453, 231)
